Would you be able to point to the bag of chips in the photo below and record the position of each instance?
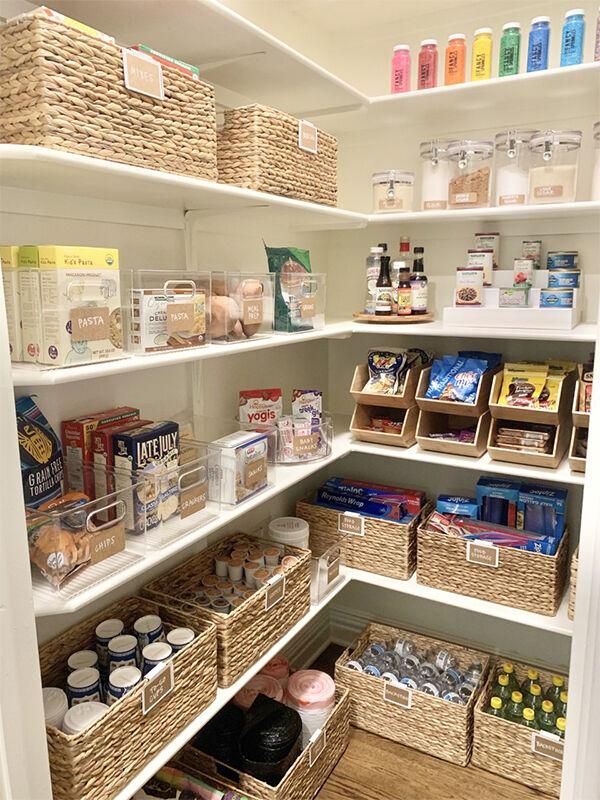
(384, 366)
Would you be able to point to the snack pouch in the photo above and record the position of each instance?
(522, 384)
(291, 267)
(384, 366)
(440, 374)
(463, 381)
(41, 454)
(492, 360)
(549, 394)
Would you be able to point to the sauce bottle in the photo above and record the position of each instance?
(481, 65)
(428, 63)
(456, 57)
(418, 283)
(384, 298)
(404, 290)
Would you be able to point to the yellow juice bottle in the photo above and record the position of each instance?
(481, 64)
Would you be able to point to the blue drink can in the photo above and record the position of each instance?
(539, 44)
(573, 33)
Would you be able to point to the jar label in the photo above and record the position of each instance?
(419, 296)
(158, 687)
(511, 200)
(318, 742)
(435, 205)
(391, 203)
(180, 317)
(554, 190)
(143, 74)
(486, 555)
(398, 695)
(351, 523)
(252, 311)
(306, 445)
(107, 542)
(307, 308)
(307, 136)
(545, 744)
(90, 324)
(256, 473)
(463, 198)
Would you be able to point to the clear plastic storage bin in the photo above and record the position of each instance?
(297, 440)
(300, 299)
(327, 571)
(437, 170)
(554, 165)
(241, 306)
(166, 310)
(472, 183)
(512, 167)
(596, 174)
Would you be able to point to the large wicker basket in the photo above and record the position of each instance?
(250, 630)
(506, 748)
(304, 778)
(432, 725)
(531, 581)
(573, 586)
(386, 548)
(97, 763)
(258, 149)
(64, 89)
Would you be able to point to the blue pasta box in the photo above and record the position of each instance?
(146, 458)
(542, 509)
(497, 501)
(455, 504)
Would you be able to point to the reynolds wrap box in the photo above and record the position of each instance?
(412, 499)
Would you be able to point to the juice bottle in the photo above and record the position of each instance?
(534, 698)
(428, 64)
(508, 669)
(561, 706)
(456, 57)
(514, 709)
(503, 689)
(510, 49)
(547, 717)
(533, 676)
(481, 64)
(554, 691)
(496, 707)
(561, 727)
(400, 69)
(528, 719)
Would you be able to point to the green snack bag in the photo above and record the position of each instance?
(291, 267)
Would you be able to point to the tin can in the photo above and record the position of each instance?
(563, 279)
(562, 259)
(81, 659)
(148, 629)
(106, 631)
(154, 654)
(179, 638)
(556, 298)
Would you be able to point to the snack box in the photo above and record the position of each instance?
(455, 504)
(244, 471)
(103, 454)
(9, 263)
(150, 452)
(497, 501)
(76, 435)
(412, 498)
(380, 507)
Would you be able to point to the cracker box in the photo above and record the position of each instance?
(149, 453)
(9, 262)
(103, 454)
(30, 303)
(81, 305)
(244, 467)
(163, 321)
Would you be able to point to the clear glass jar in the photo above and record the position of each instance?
(512, 167)
(553, 166)
(393, 191)
(471, 186)
(596, 174)
(436, 172)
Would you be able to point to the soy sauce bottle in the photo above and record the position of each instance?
(385, 293)
(418, 283)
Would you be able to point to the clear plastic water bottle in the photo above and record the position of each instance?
(430, 688)
(441, 659)
(465, 690)
(573, 34)
(452, 678)
(409, 680)
(453, 697)
(429, 672)
(474, 672)
(404, 647)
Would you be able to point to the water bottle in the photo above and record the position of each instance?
(503, 689)
(375, 650)
(430, 688)
(528, 719)
(404, 647)
(508, 669)
(409, 680)
(429, 672)
(474, 672)
(452, 678)
(453, 697)
(547, 717)
(496, 708)
(465, 690)
(539, 43)
(573, 33)
(554, 691)
(411, 662)
(442, 659)
(514, 709)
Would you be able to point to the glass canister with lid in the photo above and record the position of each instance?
(512, 167)
(437, 170)
(471, 185)
(596, 174)
(553, 166)
(393, 190)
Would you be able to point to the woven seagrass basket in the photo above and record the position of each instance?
(386, 548)
(245, 634)
(64, 89)
(304, 778)
(531, 581)
(258, 149)
(430, 724)
(573, 586)
(506, 748)
(96, 763)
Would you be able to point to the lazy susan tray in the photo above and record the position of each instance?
(393, 319)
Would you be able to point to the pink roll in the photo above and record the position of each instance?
(310, 690)
(278, 668)
(259, 684)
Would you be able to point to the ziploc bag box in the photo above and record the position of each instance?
(541, 509)
(455, 504)
(497, 501)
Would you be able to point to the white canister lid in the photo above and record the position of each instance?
(395, 175)
(291, 526)
(179, 637)
(122, 677)
(157, 651)
(535, 20)
(81, 659)
(81, 678)
(456, 36)
(56, 705)
(487, 31)
(82, 716)
(401, 47)
(508, 25)
(426, 42)
(109, 628)
(147, 624)
(121, 644)
(575, 12)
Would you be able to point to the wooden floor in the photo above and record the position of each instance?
(373, 768)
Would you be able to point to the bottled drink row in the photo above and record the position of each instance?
(482, 56)
(396, 288)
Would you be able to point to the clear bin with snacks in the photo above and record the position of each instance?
(300, 299)
(241, 307)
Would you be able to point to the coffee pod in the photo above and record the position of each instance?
(56, 706)
(225, 587)
(81, 716)
(235, 601)
(122, 652)
(287, 562)
(220, 605)
(148, 629)
(236, 570)
(239, 554)
(121, 681)
(106, 631)
(272, 556)
(81, 659)
(239, 589)
(209, 581)
(222, 565)
(212, 593)
(250, 568)
(179, 638)
(261, 576)
(154, 654)
(83, 685)
(256, 554)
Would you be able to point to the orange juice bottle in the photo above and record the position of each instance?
(456, 59)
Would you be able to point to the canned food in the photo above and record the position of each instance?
(563, 279)
(562, 259)
(556, 298)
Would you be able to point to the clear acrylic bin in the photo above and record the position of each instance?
(241, 306)
(554, 166)
(297, 441)
(166, 310)
(327, 571)
(300, 301)
(471, 186)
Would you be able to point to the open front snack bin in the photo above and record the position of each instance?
(509, 441)
(509, 749)
(397, 708)
(173, 130)
(166, 310)
(447, 433)
(252, 590)
(509, 399)
(405, 398)
(578, 449)
(396, 426)
(242, 306)
(139, 724)
(303, 779)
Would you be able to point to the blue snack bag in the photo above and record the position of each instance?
(463, 381)
(438, 378)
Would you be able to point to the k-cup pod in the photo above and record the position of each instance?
(287, 562)
(210, 581)
(235, 570)
(250, 568)
(222, 565)
(248, 593)
(239, 589)
(235, 601)
(220, 605)
(179, 638)
(83, 686)
(212, 593)
(278, 571)
(121, 681)
(106, 631)
(261, 576)
(272, 556)
(240, 554)
(81, 716)
(201, 599)
(256, 554)
(154, 654)
(148, 629)
(81, 659)
(122, 652)
(225, 588)
(56, 706)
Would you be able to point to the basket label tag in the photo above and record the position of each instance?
(349, 522)
(143, 74)
(275, 591)
(108, 542)
(252, 311)
(306, 445)
(318, 742)
(160, 682)
(90, 324)
(333, 570)
(399, 695)
(180, 317)
(486, 555)
(256, 473)
(307, 308)
(547, 745)
(307, 136)
(193, 499)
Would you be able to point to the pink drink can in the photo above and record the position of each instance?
(428, 64)
(400, 69)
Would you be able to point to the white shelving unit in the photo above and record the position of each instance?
(159, 220)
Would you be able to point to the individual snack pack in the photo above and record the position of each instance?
(388, 369)
(455, 378)
(264, 406)
(292, 269)
(41, 454)
(534, 385)
(307, 404)
(462, 435)
(530, 439)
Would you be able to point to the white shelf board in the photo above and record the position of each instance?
(223, 697)
(584, 208)
(562, 474)
(559, 624)
(584, 332)
(231, 51)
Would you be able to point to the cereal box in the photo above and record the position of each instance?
(9, 262)
(103, 454)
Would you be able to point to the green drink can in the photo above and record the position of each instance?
(510, 49)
